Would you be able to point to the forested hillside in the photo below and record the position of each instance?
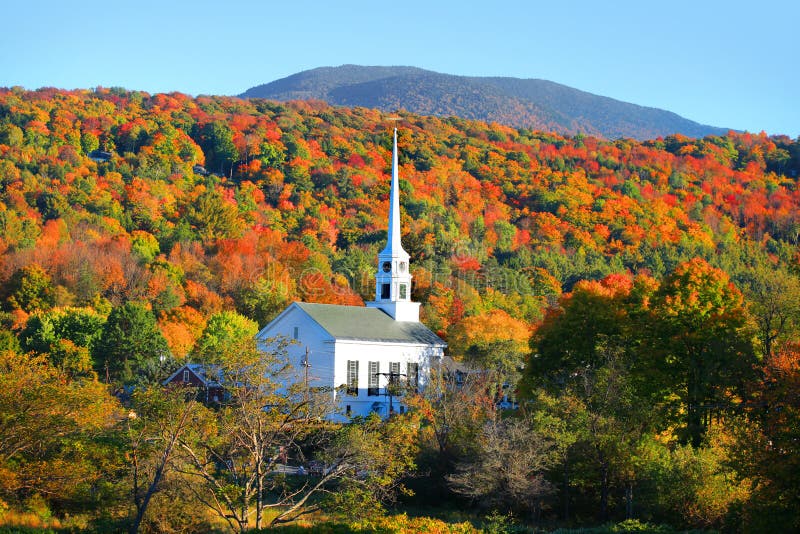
(295, 205)
(520, 103)
(139, 231)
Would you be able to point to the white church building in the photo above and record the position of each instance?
(358, 352)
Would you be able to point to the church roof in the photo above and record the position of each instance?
(359, 323)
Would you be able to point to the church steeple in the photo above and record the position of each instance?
(393, 242)
(393, 279)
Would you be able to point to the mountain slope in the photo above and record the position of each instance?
(521, 103)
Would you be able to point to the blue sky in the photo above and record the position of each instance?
(725, 63)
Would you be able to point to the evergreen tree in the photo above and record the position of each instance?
(130, 339)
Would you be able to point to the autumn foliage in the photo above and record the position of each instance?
(169, 212)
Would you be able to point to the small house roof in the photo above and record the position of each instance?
(209, 374)
(452, 366)
(359, 323)
(100, 155)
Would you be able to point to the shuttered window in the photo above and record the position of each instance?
(352, 377)
(394, 369)
(412, 375)
(373, 380)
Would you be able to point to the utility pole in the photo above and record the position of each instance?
(306, 365)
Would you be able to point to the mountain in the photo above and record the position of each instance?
(521, 103)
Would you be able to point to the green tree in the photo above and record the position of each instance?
(691, 487)
(584, 371)
(773, 295)
(224, 333)
(54, 433)
(558, 418)
(213, 217)
(700, 342)
(216, 140)
(596, 419)
(8, 341)
(30, 288)
(158, 421)
(89, 142)
(52, 205)
(144, 245)
(262, 300)
(11, 135)
(81, 326)
(271, 155)
(369, 459)
(573, 335)
(130, 339)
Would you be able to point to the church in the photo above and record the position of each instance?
(359, 352)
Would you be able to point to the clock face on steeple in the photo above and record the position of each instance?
(387, 266)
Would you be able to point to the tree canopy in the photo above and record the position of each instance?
(646, 292)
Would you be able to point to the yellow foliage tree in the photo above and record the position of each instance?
(493, 340)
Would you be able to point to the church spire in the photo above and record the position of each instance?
(394, 243)
(393, 278)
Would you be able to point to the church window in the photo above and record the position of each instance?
(296, 334)
(412, 375)
(373, 388)
(385, 291)
(352, 377)
(394, 371)
(348, 410)
(403, 291)
(387, 266)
